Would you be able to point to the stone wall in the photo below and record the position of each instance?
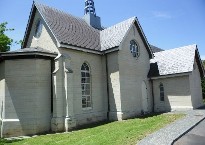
(177, 94)
(27, 104)
(195, 85)
(133, 73)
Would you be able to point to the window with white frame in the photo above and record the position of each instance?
(161, 86)
(134, 49)
(86, 86)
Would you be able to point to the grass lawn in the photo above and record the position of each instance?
(115, 133)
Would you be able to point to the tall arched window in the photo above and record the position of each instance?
(86, 86)
(161, 86)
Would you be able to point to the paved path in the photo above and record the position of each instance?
(194, 137)
(172, 132)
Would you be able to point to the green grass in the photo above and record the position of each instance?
(115, 133)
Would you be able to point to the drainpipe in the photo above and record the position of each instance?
(2, 107)
(108, 97)
(153, 102)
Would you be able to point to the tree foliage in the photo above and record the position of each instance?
(5, 41)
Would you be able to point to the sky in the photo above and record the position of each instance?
(167, 24)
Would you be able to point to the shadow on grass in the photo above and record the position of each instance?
(93, 125)
(5, 141)
(150, 115)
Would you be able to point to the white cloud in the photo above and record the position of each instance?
(164, 15)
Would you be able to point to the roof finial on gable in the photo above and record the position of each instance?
(89, 7)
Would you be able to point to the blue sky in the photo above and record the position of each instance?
(166, 23)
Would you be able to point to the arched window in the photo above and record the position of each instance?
(134, 49)
(161, 86)
(38, 29)
(86, 86)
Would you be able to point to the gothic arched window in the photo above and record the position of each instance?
(86, 86)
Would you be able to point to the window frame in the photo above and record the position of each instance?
(134, 47)
(86, 83)
(38, 29)
(161, 88)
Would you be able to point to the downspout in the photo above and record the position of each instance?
(107, 80)
(52, 69)
(153, 102)
(2, 107)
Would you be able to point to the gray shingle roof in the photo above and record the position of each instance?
(174, 61)
(75, 31)
(69, 29)
(113, 36)
(29, 50)
(155, 49)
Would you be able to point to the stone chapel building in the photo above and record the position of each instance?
(72, 71)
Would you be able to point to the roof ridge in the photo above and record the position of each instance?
(182, 47)
(131, 18)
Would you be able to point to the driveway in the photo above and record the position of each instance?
(194, 137)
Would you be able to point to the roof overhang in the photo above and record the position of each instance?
(170, 76)
(26, 55)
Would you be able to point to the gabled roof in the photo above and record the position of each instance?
(73, 31)
(113, 36)
(175, 61)
(155, 49)
(69, 29)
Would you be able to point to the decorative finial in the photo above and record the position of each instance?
(89, 7)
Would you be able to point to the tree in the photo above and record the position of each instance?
(5, 41)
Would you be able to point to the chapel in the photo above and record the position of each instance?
(72, 71)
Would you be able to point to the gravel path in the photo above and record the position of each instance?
(175, 130)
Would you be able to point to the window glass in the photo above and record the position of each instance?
(38, 29)
(134, 49)
(85, 85)
(161, 86)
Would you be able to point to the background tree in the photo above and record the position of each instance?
(5, 41)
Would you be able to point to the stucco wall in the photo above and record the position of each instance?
(2, 87)
(114, 86)
(28, 97)
(177, 94)
(96, 63)
(133, 72)
(46, 39)
(195, 85)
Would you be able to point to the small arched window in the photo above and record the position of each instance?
(38, 29)
(161, 86)
(134, 49)
(86, 86)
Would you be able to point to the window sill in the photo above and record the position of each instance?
(87, 109)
